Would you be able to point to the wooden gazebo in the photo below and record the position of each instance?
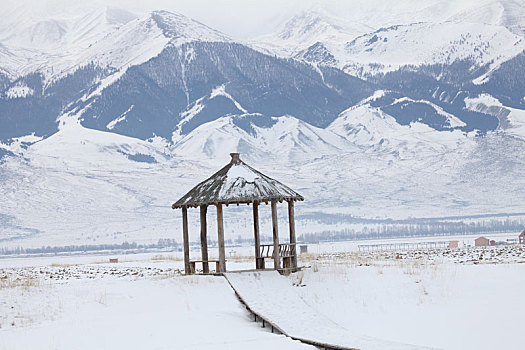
(239, 183)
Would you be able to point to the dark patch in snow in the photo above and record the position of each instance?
(140, 157)
(14, 231)
(247, 122)
(4, 153)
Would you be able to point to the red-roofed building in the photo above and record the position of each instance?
(481, 242)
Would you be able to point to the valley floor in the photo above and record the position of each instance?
(102, 307)
(426, 298)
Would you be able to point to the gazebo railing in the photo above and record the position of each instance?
(287, 251)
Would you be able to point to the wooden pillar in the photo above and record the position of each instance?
(291, 223)
(257, 238)
(276, 258)
(204, 241)
(185, 238)
(220, 234)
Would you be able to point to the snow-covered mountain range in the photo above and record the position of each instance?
(106, 117)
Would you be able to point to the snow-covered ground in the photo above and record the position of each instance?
(440, 305)
(430, 298)
(110, 307)
(427, 298)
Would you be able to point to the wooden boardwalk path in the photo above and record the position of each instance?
(271, 297)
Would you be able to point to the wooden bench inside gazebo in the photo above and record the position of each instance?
(238, 183)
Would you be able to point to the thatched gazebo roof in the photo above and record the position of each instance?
(237, 183)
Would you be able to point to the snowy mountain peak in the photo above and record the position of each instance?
(182, 28)
(512, 16)
(109, 37)
(309, 27)
(285, 137)
(429, 32)
(98, 23)
(308, 23)
(428, 43)
(507, 13)
(117, 16)
(62, 32)
(372, 128)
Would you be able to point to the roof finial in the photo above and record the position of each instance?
(235, 158)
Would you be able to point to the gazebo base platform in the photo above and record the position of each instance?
(284, 272)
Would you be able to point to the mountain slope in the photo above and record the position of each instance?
(285, 137)
(106, 188)
(143, 79)
(256, 82)
(52, 46)
(371, 127)
(308, 28)
(429, 43)
(113, 118)
(377, 38)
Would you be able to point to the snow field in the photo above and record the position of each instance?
(438, 305)
(428, 298)
(193, 312)
(295, 316)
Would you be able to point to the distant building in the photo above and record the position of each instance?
(453, 244)
(492, 242)
(304, 248)
(481, 242)
(521, 237)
